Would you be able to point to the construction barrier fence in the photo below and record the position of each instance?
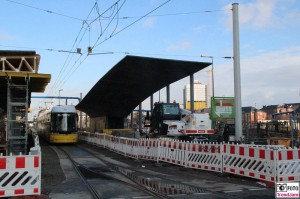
(20, 175)
(263, 162)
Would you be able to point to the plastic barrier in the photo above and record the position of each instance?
(288, 165)
(149, 149)
(205, 156)
(254, 162)
(132, 148)
(83, 136)
(99, 139)
(267, 163)
(118, 145)
(21, 175)
(172, 151)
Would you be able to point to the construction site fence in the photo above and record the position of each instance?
(271, 163)
(20, 175)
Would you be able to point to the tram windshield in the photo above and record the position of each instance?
(64, 122)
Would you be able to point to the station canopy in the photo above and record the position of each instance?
(131, 81)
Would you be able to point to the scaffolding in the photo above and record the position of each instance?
(17, 117)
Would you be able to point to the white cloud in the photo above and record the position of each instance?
(6, 37)
(269, 78)
(293, 16)
(263, 14)
(185, 45)
(149, 22)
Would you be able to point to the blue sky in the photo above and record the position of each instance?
(176, 29)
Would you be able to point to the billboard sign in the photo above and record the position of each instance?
(222, 108)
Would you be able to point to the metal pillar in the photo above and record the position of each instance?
(192, 92)
(151, 103)
(237, 74)
(80, 113)
(86, 121)
(168, 93)
(140, 117)
(131, 119)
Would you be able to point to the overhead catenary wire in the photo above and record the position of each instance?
(70, 66)
(69, 57)
(111, 36)
(176, 14)
(97, 44)
(76, 43)
(118, 9)
(69, 69)
(119, 18)
(44, 10)
(104, 17)
(74, 67)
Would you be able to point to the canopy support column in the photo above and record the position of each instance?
(168, 93)
(192, 92)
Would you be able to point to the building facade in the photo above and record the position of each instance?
(272, 118)
(200, 96)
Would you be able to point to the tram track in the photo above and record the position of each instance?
(76, 167)
(94, 172)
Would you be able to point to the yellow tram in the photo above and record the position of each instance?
(58, 124)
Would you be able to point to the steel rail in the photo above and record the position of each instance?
(119, 169)
(133, 184)
(76, 165)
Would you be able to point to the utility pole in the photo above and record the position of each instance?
(237, 73)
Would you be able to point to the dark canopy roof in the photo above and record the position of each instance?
(131, 81)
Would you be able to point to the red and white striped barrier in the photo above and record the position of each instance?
(20, 175)
(149, 149)
(118, 145)
(251, 162)
(172, 151)
(288, 165)
(205, 156)
(100, 139)
(268, 163)
(132, 148)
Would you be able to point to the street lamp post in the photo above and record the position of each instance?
(212, 73)
(212, 70)
(59, 96)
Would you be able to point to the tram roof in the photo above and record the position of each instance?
(133, 80)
